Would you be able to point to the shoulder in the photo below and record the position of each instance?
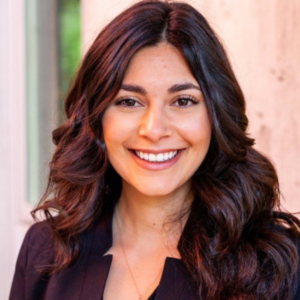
(297, 285)
(39, 232)
(39, 243)
(36, 251)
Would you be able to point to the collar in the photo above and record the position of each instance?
(86, 278)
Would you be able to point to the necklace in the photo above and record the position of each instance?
(128, 265)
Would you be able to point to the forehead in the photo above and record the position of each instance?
(161, 62)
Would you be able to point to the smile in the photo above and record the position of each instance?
(159, 157)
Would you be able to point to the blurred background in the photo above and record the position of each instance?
(41, 44)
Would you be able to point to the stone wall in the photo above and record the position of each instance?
(262, 40)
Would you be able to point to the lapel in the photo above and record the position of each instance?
(176, 283)
(98, 266)
(85, 279)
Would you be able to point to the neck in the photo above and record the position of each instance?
(153, 220)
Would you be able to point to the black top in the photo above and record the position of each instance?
(152, 296)
(85, 279)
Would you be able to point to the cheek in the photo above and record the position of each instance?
(112, 129)
(119, 127)
(196, 130)
(110, 135)
(117, 133)
(106, 123)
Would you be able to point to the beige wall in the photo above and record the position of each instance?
(262, 39)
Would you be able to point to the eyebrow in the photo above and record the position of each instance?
(133, 88)
(173, 89)
(181, 87)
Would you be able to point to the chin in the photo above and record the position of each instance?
(156, 190)
(155, 193)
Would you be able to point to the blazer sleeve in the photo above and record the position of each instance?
(297, 285)
(36, 251)
(18, 285)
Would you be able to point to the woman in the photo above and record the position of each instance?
(155, 189)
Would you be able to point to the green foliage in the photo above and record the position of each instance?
(69, 42)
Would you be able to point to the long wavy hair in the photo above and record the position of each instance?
(237, 243)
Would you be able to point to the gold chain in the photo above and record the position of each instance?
(127, 263)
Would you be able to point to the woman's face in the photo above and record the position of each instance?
(157, 130)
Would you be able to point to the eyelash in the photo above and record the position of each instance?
(189, 98)
(123, 99)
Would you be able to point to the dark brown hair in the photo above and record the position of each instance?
(236, 244)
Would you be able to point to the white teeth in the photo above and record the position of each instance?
(171, 154)
(160, 157)
(156, 157)
(152, 157)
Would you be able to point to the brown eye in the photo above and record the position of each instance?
(185, 101)
(127, 102)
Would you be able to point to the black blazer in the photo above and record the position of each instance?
(85, 279)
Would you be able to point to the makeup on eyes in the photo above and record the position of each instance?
(131, 102)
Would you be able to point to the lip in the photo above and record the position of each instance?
(156, 166)
(157, 151)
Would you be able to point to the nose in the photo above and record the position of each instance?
(155, 124)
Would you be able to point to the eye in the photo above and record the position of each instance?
(127, 102)
(186, 101)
